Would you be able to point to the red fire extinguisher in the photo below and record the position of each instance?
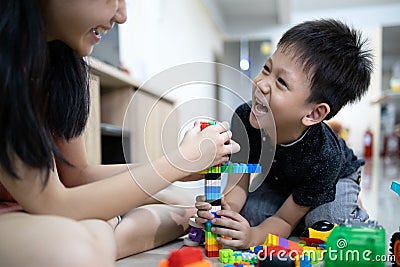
(368, 143)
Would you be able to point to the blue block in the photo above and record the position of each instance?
(396, 187)
(305, 261)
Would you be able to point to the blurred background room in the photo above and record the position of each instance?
(143, 95)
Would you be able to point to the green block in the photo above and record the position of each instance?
(223, 168)
(208, 226)
(226, 255)
(211, 235)
(230, 168)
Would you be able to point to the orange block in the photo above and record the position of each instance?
(203, 263)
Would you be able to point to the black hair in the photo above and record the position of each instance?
(43, 90)
(334, 57)
(68, 91)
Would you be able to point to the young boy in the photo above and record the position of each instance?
(318, 67)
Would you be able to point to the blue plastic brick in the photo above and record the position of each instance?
(396, 187)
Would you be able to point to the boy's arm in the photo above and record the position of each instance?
(284, 221)
(236, 190)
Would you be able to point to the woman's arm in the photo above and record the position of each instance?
(74, 151)
(115, 195)
(81, 172)
(102, 199)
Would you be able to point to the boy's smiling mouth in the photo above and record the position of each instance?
(99, 31)
(260, 105)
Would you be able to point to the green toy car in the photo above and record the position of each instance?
(356, 244)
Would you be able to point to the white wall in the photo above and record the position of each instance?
(160, 34)
(360, 116)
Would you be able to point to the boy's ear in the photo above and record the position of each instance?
(318, 114)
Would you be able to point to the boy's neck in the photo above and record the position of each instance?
(290, 137)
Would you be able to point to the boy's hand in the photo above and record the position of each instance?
(232, 224)
(236, 227)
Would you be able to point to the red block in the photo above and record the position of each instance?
(184, 256)
(212, 254)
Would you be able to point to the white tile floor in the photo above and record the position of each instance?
(380, 201)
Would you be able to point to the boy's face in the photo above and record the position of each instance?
(284, 86)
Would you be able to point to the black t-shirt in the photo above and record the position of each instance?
(308, 168)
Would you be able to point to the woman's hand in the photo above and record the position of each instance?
(235, 227)
(203, 209)
(202, 149)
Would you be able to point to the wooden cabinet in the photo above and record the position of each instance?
(126, 121)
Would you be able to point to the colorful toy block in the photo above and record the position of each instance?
(276, 241)
(395, 187)
(185, 257)
(237, 257)
(305, 261)
(234, 168)
(212, 188)
(226, 256)
(196, 234)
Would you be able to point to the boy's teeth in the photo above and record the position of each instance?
(95, 31)
(261, 108)
(99, 31)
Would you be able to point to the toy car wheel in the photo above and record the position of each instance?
(321, 226)
(395, 249)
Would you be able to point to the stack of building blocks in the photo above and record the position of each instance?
(212, 188)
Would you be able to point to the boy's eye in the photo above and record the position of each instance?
(266, 68)
(281, 81)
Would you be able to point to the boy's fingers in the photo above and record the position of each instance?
(206, 215)
(231, 215)
(229, 242)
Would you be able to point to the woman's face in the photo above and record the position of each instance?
(81, 23)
